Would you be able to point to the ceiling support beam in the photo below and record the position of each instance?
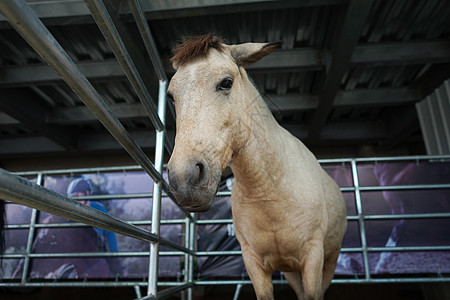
(304, 59)
(343, 48)
(289, 102)
(402, 53)
(103, 141)
(46, 75)
(20, 105)
(58, 11)
(350, 98)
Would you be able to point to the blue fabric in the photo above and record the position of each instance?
(110, 236)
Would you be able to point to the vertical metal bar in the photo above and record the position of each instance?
(362, 229)
(192, 247)
(34, 215)
(187, 227)
(25, 21)
(156, 204)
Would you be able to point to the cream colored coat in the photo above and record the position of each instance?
(289, 215)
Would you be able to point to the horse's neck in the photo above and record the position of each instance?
(259, 161)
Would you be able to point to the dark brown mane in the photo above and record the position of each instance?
(196, 47)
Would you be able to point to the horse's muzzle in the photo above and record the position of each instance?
(193, 184)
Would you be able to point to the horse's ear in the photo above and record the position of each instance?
(249, 53)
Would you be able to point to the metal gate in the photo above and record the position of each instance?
(22, 191)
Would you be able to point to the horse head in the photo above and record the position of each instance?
(212, 96)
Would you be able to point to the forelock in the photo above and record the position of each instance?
(196, 47)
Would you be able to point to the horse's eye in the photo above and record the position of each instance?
(225, 85)
(170, 97)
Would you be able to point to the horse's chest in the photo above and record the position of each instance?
(276, 234)
(276, 250)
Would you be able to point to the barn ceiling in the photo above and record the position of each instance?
(348, 72)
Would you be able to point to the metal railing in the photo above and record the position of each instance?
(188, 250)
(24, 20)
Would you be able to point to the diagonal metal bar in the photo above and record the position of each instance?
(153, 53)
(23, 19)
(147, 37)
(121, 46)
(167, 292)
(22, 191)
(343, 48)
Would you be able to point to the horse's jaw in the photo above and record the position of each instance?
(201, 208)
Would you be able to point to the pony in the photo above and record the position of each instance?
(288, 214)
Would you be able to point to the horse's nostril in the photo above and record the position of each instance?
(193, 175)
(201, 173)
(200, 167)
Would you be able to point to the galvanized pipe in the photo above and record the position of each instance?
(238, 291)
(137, 290)
(22, 191)
(156, 203)
(75, 224)
(30, 238)
(357, 249)
(408, 216)
(81, 170)
(334, 281)
(86, 284)
(390, 158)
(360, 212)
(220, 282)
(23, 19)
(167, 292)
(187, 228)
(408, 249)
(152, 50)
(227, 194)
(147, 37)
(210, 253)
(89, 254)
(192, 247)
(25, 192)
(321, 161)
(108, 28)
